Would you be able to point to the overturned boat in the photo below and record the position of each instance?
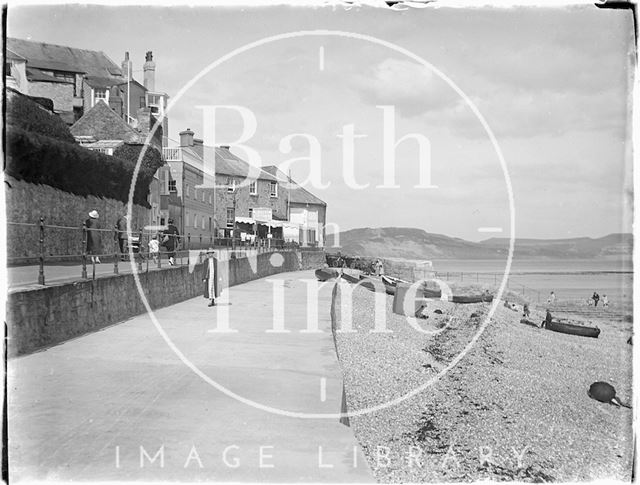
(571, 328)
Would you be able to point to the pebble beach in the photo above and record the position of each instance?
(513, 407)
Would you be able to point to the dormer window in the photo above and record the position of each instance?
(100, 94)
(231, 184)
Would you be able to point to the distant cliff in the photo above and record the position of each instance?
(418, 244)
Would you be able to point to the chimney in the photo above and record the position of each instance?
(198, 147)
(186, 138)
(149, 69)
(125, 66)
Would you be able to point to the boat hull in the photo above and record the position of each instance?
(572, 329)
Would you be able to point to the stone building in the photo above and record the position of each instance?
(77, 79)
(307, 214)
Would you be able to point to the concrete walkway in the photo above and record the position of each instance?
(103, 406)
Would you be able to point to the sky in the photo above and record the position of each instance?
(553, 85)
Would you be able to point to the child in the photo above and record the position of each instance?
(154, 248)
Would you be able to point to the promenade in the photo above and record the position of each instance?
(120, 404)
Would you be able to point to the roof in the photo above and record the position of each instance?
(229, 164)
(9, 54)
(297, 193)
(34, 74)
(103, 144)
(226, 163)
(102, 82)
(63, 58)
(103, 123)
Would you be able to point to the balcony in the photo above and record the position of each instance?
(172, 154)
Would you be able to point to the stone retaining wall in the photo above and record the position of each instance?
(41, 317)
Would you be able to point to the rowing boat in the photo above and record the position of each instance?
(486, 297)
(572, 329)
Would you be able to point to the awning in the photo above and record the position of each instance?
(245, 220)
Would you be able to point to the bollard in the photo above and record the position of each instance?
(84, 250)
(41, 269)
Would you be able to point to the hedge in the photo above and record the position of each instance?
(42, 160)
(25, 114)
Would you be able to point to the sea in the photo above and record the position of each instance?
(571, 280)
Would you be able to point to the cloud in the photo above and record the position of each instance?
(410, 87)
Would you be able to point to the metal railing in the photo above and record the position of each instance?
(172, 154)
(72, 247)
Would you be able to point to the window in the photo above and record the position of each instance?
(186, 219)
(253, 188)
(187, 190)
(231, 218)
(100, 94)
(250, 211)
(273, 189)
(195, 193)
(143, 102)
(202, 222)
(211, 199)
(231, 184)
(203, 198)
(172, 186)
(195, 220)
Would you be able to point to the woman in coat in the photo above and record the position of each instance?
(93, 236)
(210, 280)
(170, 240)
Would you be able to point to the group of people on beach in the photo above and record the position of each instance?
(595, 298)
(170, 239)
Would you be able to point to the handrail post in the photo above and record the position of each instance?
(140, 253)
(84, 250)
(116, 257)
(41, 269)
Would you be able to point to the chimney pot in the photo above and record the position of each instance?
(186, 138)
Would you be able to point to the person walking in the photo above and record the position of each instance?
(379, 268)
(170, 240)
(93, 236)
(121, 234)
(210, 280)
(552, 298)
(595, 298)
(605, 301)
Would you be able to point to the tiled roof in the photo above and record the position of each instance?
(298, 194)
(226, 163)
(62, 58)
(9, 54)
(102, 82)
(103, 123)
